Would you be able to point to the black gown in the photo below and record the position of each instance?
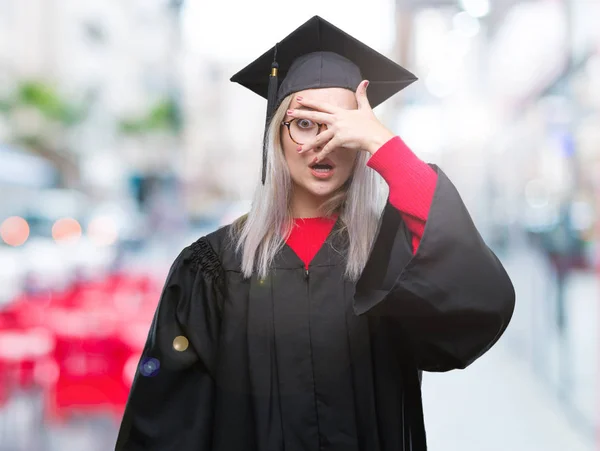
(306, 360)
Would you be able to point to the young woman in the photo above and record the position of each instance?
(305, 325)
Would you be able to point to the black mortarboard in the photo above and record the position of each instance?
(319, 55)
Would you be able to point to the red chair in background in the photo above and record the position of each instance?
(81, 346)
(97, 339)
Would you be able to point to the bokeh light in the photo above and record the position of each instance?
(14, 231)
(466, 24)
(476, 8)
(66, 230)
(149, 367)
(102, 231)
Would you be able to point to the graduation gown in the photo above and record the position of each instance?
(307, 360)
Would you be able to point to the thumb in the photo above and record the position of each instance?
(361, 95)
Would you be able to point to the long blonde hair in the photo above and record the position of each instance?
(260, 234)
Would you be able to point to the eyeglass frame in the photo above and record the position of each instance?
(289, 123)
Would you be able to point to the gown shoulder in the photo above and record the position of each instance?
(222, 243)
(169, 405)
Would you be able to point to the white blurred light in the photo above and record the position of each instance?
(236, 210)
(537, 193)
(102, 231)
(416, 122)
(12, 271)
(104, 169)
(470, 123)
(466, 24)
(593, 67)
(441, 84)
(476, 8)
(21, 168)
(45, 261)
(431, 31)
(457, 46)
(541, 218)
(582, 215)
(240, 38)
(522, 58)
(443, 53)
(593, 71)
(89, 258)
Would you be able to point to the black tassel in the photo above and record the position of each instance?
(271, 99)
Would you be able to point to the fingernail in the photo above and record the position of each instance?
(315, 160)
(298, 98)
(290, 112)
(299, 149)
(366, 84)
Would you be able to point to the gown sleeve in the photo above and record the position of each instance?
(170, 404)
(452, 299)
(411, 181)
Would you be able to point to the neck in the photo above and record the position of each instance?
(306, 205)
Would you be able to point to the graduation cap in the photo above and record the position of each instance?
(319, 55)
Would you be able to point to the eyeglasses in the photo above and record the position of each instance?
(303, 130)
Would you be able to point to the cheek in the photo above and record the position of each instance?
(346, 161)
(288, 146)
(294, 161)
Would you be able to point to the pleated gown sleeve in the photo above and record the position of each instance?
(170, 405)
(452, 300)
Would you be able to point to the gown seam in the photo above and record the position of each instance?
(277, 369)
(312, 363)
(352, 366)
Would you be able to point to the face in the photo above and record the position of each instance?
(311, 181)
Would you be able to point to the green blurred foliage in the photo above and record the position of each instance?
(163, 116)
(46, 99)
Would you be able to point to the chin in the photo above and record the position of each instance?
(322, 188)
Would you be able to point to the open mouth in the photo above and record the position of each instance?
(322, 167)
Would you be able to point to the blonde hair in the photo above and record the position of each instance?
(260, 234)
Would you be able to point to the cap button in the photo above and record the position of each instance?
(180, 343)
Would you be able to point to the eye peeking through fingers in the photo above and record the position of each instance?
(306, 124)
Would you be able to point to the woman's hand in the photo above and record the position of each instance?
(351, 129)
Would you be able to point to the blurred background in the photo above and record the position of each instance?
(122, 141)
